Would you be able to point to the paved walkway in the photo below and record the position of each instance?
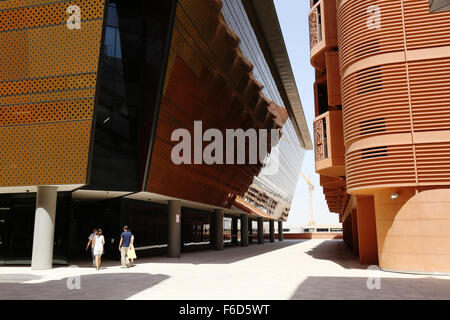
(314, 269)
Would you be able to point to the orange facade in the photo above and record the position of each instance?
(48, 76)
(394, 80)
(50, 85)
(208, 78)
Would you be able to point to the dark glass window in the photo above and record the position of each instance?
(17, 214)
(439, 5)
(135, 38)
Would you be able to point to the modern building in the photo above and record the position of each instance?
(323, 228)
(382, 127)
(91, 93)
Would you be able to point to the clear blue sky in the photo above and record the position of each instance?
(293, 16)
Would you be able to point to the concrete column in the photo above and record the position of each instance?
(44, 228)
(218, 232)
(234, 231)
(174, 241)
(212, 230)
(260, 231)
(250, 231)
(280, 230)
(244, 230)
(272, 230)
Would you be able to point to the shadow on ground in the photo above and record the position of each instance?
(92, 287)
(18, 277)
(337, 252)
(226, 256)
(351, 288)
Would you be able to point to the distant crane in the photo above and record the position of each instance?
(311, 208)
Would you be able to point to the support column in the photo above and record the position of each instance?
(260, 231)
(355, 232)
(218, 226)
(272, 230)
(234, 231)
(44, 228)
(212, 230)
(280, 230)
(348, 230)
(250, 231)
(174, 241)
(367, 232)
(244, 230)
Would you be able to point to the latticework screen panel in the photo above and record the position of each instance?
(48, 76)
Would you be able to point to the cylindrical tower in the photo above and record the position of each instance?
(395, 68)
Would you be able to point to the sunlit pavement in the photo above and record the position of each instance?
(314, 269)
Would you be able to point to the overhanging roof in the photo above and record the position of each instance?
(159, 198)
(264, 20)
(439, 5)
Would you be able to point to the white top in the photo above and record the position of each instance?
(98, 243)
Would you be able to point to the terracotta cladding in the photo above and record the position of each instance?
(395, 84)
(373, 167)
(48, 76)
(207, 79)
(376, 102)
(357, 41)
(430, 85)
(425, 30)
(335, 193)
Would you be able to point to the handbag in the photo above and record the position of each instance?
(131, 253)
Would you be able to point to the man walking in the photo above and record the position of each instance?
(91, 244)
(124, 245)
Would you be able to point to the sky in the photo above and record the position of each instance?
(293, 16)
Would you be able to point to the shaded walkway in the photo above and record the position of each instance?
(209, 256)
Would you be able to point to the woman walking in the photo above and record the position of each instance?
(131, 252)
(99, 242)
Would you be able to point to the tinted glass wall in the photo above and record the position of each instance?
(17, 214)
(147, 221)
(279, 187)
(135, 37)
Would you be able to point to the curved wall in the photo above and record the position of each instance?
(396, 116)
(413, 231)
(396, 106)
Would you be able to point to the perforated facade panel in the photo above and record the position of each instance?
(48, 77)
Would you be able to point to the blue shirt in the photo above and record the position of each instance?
(126, 237)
